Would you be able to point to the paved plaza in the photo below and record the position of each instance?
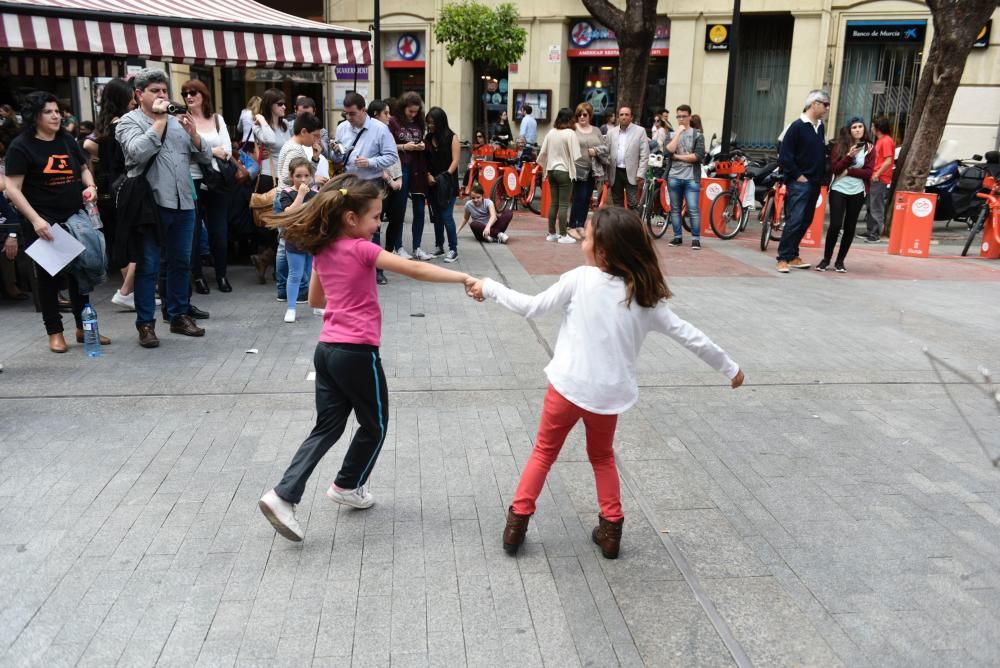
(835, 511)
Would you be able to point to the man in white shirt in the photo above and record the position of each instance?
(529, 126)
(629, 150)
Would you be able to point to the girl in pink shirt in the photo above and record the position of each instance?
(336, 227)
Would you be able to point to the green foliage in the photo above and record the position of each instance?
(473, 32)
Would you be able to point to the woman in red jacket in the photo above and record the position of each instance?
(852, 161)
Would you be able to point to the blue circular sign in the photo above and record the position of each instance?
(408, 47)
(581, 34)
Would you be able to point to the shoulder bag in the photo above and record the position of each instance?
(263, 203)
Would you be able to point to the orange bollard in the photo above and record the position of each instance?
(990, 248)
(813, 237)
(912, 224)
(710, 189)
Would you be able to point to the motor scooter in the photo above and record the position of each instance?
(956, 182)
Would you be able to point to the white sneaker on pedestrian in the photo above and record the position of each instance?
(502, 238)
(401, 252)
(566, 239)
(281, 515)
(127, 302)
(318, 311)
(452, 256)
(552, 237)
(419, 254)
(355, 498)
(290, 315)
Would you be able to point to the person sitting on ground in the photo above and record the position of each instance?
(481, 216)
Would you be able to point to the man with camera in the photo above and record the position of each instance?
(162, 136)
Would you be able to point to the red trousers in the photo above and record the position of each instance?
(559, 415)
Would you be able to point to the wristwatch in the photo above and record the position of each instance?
(12, 235)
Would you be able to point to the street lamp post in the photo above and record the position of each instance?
(734, 64)
(377, 59)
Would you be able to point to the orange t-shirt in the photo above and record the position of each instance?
(885, 147)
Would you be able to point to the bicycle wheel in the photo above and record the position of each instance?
(501, 200)
(725, 214)
(653, 216)
(766, 221)
(977, 227)
(744, 219)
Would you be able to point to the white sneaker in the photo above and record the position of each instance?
(290, 315)
(552, 237)
(419, 254)
(502, 238)
(566, 239)
(452, 256)
(318, 311)
(438, 252)
(355, 498)
(127, 302)
(281, 515)
(159, 302)
(401, 252)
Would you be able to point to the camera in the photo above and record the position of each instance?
(176, 109)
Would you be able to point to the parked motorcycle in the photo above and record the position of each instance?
(956, 182)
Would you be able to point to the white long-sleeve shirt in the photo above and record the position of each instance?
(600, 337)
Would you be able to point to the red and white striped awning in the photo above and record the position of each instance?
(234, 33)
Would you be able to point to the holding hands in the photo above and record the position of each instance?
(474, 288)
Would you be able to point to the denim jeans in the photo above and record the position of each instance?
(800, 206)
(418, 209)
(281, 273)
(582, 192)
(178, 233)
(296, 271)
(211, 232)
(444, 221)
(685, 190)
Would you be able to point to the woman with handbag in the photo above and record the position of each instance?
(270, 133)
(212, 203)
(48, 181)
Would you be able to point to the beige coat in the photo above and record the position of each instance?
(636, 152)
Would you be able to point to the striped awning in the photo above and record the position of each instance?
(47, 64)
(234, 33)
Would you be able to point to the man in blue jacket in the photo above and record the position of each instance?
(803, 162)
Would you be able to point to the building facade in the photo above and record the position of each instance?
(868, 54)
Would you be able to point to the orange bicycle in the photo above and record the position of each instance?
(483, 169)
(772, 215)
(517, 184)
(727, 215)
(991, 232)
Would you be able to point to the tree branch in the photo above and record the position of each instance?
(607, 14)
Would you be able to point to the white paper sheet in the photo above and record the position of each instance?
(54, 255)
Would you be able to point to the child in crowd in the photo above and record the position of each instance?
(608, 306)
(302, 173)
(481, 216)
(336, 228)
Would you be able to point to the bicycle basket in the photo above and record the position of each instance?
(656, 160)
(730, 168)
(484, 151)
(505, 154)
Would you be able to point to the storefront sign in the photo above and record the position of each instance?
(717, 37)
(350, 71)
(589, 39)
(877, 32)
(983, 38)
(408, 46)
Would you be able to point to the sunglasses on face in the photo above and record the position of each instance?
(189, 93)
(281, 104)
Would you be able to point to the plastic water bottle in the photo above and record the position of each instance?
(95, 215)
(91, 332)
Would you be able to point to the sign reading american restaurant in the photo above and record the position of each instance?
(589, 39)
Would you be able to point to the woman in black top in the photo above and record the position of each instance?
(442, 159)
(500, 133)
(117, 100)
(48, 180)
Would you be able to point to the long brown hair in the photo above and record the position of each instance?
(321, 221)
(622, 244)
(207, 107)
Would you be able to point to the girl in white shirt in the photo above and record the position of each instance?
(592, 374)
